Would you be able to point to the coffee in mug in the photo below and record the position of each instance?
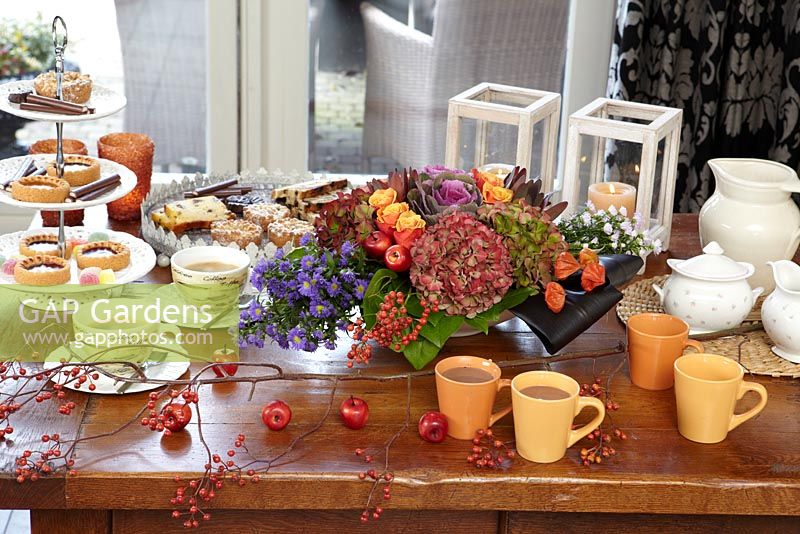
(466, 387)
(545, 404)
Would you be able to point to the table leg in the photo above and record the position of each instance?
(70, 521)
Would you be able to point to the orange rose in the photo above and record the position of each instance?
(482, 178)
(382, 198)
(496, 193)
(408, 228)
(408, 220)
(391, 213)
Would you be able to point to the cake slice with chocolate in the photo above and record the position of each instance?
(293, 195)
(192, 213)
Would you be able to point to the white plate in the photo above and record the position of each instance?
(9, 166)
(143, 258)
(104, 101)
(107, 386)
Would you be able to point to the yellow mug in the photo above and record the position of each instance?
(707, 387)
(545, 404)
(466, 387)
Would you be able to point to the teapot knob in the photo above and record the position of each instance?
(713, 248)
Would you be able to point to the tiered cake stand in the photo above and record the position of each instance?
(105, 102)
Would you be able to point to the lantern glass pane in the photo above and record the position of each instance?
(500, 145)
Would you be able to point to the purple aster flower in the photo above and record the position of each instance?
(348, 276)
(296, 338)
(330, 345)
(347, 249)
(306, 240)
(360, 289)
(333, 287)
(279, 254)
(307, 286)
(307, 262)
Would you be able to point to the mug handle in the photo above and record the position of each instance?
(580, 433)
(744, 387)
(502, 383)
(696, 345)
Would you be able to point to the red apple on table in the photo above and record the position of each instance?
(176, 416)
(433, 427)
(397, 258)
(354, 413)
(226, 366)
(276, 415)
(376, 244)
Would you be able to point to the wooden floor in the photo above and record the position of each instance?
(15, 522)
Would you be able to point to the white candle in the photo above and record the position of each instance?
(606, 194)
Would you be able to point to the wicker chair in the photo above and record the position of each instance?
(411, 75)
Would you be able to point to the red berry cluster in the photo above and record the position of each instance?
(394, 328)
(78, 376)
(489, 452)
(28, 468)
(602, 448)
(386, 478)
(174, 416)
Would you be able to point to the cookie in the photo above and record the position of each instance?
(42, 244)
(289, 230)
(265, 214)
(78, 170)
(103, 254)
(75, 87)
(45, 189)
(42, 271)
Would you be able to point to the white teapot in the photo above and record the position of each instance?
(710, 292)
(780, 313)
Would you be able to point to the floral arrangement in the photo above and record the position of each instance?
(608, 232)
(25, 46)
(413, 258)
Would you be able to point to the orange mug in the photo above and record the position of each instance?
(655, 341)
(545, 403)
(466, 387)
(707, 387)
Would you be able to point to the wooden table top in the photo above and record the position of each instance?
(755, 471)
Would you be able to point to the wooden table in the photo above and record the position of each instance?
(658, 480)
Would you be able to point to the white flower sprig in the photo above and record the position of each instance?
(608, 232)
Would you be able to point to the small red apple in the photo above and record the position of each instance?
(276, 415)
(376, 244)
(176, 416)
(354, 413)
(397, 258)
(433, 427)
(225, 360)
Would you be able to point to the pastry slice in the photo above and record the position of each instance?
(292, 195)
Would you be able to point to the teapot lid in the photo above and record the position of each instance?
(712, 265)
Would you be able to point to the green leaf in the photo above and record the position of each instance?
(420, 353)
(479, 323)
(513, 297)
(439, 333)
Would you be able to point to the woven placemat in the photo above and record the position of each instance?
(751, 349)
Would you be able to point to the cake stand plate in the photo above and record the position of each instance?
(143, 258)
(127, 183)
(104, 101)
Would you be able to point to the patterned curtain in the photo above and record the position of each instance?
(733, 66)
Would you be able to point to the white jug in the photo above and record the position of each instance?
(752, 215)
(780, 312)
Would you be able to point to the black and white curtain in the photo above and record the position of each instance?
(733, 66)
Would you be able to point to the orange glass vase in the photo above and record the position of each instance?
(71, 146)
(135, 151)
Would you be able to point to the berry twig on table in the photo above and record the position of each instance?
(386, 477)
(601, 438)
(490, 452)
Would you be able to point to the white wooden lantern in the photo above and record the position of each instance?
(604, 119)
(524, 108)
